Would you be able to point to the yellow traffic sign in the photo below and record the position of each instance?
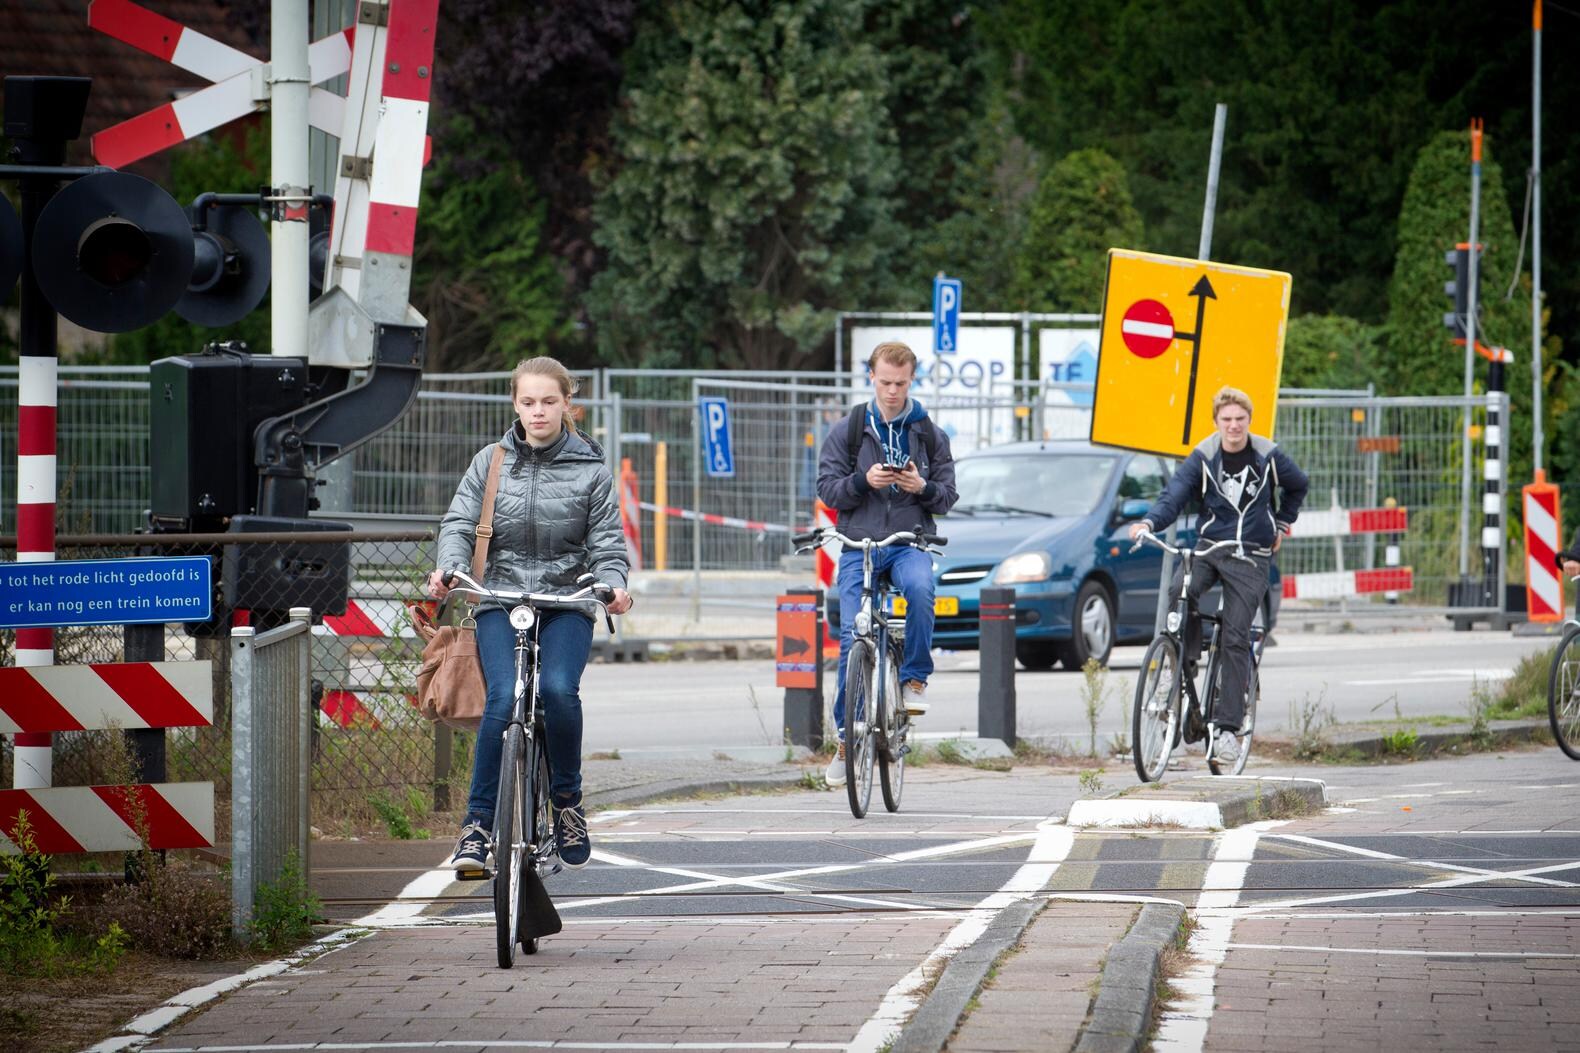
(1174, 331)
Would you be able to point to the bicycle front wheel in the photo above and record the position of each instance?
(1563, 694)
(1247, 725)
(859, 727)
(510, 810)
(1156, 714)
(896, 728)
(538, 824)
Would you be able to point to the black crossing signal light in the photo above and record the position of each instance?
(1457, 289)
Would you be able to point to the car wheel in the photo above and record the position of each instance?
(1091, 628)
(1037, 655)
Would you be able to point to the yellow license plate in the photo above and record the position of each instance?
(945, 605)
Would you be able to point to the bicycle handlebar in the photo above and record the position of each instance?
(592, 594)
(821, 535)
(1147, 535)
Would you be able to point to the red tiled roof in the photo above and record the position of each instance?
(52, 38)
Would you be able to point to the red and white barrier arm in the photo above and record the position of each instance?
(72, 819)
(1333, 585)
(1342, 522)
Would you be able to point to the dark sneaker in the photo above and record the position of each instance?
(570, 835)
(471, 849)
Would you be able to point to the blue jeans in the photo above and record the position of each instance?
(564, 642)
(910, 571)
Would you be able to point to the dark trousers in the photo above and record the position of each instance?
(564, 642)
(1244, 585)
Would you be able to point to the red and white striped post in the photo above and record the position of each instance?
(35, 520)
(1544, 586)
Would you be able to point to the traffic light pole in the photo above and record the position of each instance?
(289, 86)
(1470, 349)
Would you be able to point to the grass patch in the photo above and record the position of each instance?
(1524, 695)
(1285, 803)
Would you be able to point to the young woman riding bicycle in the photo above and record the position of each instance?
(555, 518)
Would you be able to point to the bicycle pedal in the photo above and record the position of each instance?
(473, 875)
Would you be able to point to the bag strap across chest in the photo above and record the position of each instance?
(485, 519)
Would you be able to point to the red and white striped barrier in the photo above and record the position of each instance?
(757, 526)
(89, 697)
(825, 565)
(371, 618)
(1332, 585)
(233, 92)
(71, 819)
(1544, 589)
(35, 537)
(1342, 522)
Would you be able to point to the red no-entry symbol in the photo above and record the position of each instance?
(1147, 329)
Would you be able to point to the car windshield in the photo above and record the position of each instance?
(1031, 484)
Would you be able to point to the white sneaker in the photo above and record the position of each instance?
(1227, 748)
(834, 774)
(914, 695)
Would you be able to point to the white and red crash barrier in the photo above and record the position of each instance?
(754, 525)
(100, 698)
(1544, 588)
(237, 87)
(1342, 522)
(1331, 585)
(825, 564)
(370, 618)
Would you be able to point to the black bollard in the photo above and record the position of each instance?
(996, 691)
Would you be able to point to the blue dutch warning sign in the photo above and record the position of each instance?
(144, 589)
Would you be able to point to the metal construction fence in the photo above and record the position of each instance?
(1362, 451)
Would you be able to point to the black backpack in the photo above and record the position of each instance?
(857, 425)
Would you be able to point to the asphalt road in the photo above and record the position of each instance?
(1360, 676)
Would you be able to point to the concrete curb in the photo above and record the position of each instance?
(1122, 1012)
(1206, 802)
(646, 793)
(1442, 739)
(945, 1005)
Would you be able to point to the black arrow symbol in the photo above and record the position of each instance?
(1202, 290)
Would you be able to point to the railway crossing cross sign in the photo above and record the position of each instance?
(1174, 331)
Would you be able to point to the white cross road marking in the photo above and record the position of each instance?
(1432, 886)
(1425, 864)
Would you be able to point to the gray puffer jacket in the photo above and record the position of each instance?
(555, 517)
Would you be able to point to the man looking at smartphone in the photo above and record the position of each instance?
(886, 467)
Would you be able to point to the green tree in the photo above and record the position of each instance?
(1082, 209)
(230, 162)
(1330, 351)
(754, 195)
(483, 278)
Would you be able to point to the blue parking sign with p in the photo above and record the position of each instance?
(946, 315)
(716, 455)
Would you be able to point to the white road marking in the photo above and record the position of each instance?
(1395, 951)
(1049, 850)
(1424, 863)
(1184, 1025)
(1431, 886)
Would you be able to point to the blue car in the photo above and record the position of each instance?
(1051, 520)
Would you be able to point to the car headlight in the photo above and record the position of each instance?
(1023, 566)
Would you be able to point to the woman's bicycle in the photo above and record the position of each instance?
(872, 676)
(523, 846)
(1563, 690)
(1159, 720)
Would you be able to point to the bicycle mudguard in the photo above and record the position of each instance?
(538, 916)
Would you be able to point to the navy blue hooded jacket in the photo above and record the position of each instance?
(868, 513)
(1255, 525)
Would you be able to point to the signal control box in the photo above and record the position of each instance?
(203, 412)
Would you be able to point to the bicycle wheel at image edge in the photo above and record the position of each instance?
(896, 724)
(1156, 713)
(509, 821)
(1563, 694)
(858, 729)
(538, 823)
(1247, 726)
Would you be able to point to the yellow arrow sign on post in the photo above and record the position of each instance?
(1174, 331)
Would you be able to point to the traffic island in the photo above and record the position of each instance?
(1214, 802)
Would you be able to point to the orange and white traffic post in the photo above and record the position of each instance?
(1544, 587)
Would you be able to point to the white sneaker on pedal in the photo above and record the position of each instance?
(834, 774)
(914, 695)
(1227, 748)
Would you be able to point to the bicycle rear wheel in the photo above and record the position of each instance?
(896, 724)
(1563, 694)
(510, 810)
(1155, 716)
(858, 727)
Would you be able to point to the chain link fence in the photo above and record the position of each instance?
(369, 744)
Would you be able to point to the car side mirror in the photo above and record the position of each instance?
(1131, 510)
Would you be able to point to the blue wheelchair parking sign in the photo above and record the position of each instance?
(946, 315)
(717, 457)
